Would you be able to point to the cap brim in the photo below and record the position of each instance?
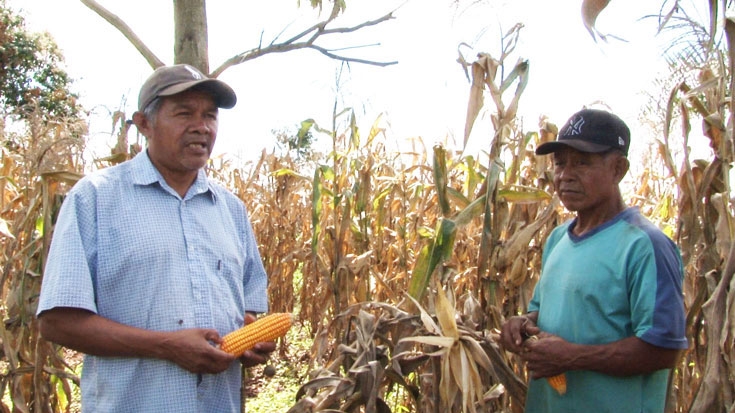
(580, 145)
(224, 96)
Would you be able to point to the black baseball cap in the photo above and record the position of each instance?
(170, 80)
(590, 130)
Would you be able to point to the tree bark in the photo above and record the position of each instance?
(190, 34)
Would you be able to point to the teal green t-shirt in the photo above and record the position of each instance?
(622, 279)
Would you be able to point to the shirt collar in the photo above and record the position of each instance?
(143, 172)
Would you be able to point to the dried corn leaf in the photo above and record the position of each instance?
(520, 71)
(375, 130)
(440, 177)
(464, 380)
(477, 385)
(20, 387)
(426, 319)
(445, 315)
(494, 392)
(4, 230)
(526, 196)
(477, 353)
(518, 242)
(480, 74)
(448, 387)
(730, 34)
(63, 176)
(591, 9)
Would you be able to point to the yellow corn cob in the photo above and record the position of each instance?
(558, 382)
(267, 328)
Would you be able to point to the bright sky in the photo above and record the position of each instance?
(425, 95)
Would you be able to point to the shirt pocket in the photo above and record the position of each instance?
(229, 291)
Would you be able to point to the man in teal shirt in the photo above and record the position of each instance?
(608, 309)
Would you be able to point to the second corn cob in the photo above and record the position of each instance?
(267, 328)
(558, 382)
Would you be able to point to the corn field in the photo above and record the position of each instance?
(402, 266)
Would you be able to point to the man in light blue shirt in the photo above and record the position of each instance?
(152, 263)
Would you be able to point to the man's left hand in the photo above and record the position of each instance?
(546, 355)
(258, 354)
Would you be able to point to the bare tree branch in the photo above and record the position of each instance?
(316, 31)
(120, 25)
(308, 37)
(328, 53)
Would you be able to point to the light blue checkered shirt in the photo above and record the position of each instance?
(129, 248)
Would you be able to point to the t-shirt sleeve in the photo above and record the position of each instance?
(656, 298)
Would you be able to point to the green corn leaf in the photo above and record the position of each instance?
(430, 257)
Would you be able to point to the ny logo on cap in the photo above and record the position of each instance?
(621, 142)
(194, 73)
(574, 127)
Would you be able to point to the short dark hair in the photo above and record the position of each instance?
(617, 151)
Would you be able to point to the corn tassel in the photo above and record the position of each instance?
(558, 382)
(267, 328)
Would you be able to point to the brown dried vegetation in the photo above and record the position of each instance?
(402, 266)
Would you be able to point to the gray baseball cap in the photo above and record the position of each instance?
(170, 80)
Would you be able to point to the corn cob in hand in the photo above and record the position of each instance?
(558, 382)
(267, 328)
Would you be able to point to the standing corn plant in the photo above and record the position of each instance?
(37, 376)
(366, 210)
(476, 230)
(702, 75)
(277, 195)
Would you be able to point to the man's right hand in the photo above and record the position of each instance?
(192, 349)
(516, 329)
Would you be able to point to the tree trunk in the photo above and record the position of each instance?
(190, 33)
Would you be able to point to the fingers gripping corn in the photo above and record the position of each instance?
(558, 382)
(267, 328)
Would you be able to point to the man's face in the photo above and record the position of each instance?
(587, 181)
(182, 135)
